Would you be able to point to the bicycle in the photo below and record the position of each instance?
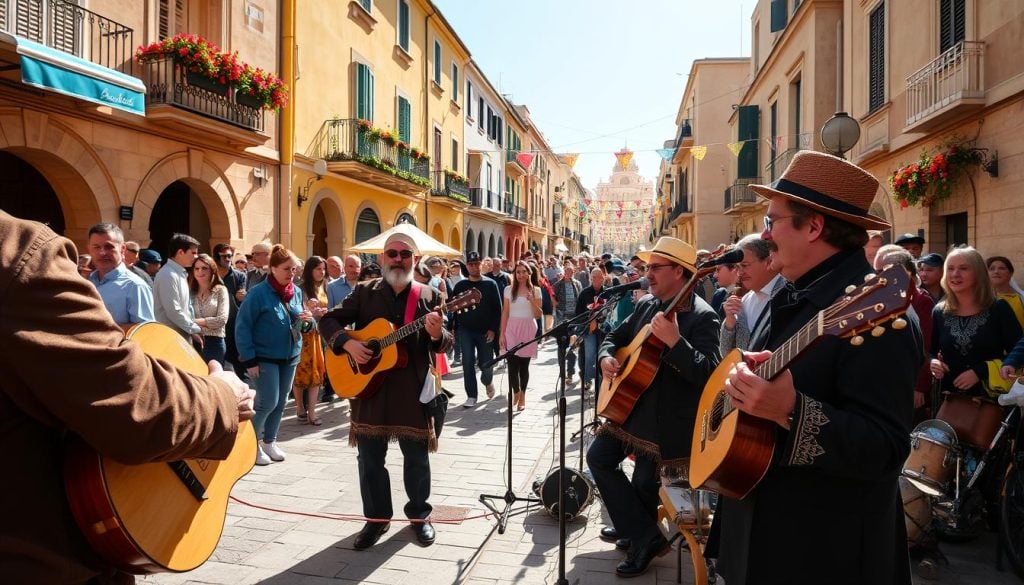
(1011, 498)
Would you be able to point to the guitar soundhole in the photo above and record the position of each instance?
(717, 412)
(374, 346)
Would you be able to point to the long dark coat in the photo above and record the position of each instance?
(661, 424)
(828, 510)
(394, 411)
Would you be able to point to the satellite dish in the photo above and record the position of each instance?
(320, 167)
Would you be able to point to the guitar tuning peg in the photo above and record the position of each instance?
(857, 340)
(900, 323)
(869, 276)
(851, 288)
(877, 331)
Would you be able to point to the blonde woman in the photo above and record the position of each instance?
(971, 327)
(311, 371)
(519, 314)
(210, 306)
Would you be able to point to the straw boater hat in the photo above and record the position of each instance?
(829, 185)
(675, 250)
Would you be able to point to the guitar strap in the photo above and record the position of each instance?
(411, 302)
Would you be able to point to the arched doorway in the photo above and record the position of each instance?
(491, 251)
(437, 233)
(455, 238)
(470, 241)
(406, 218)
(25, 193)
(367, 226)
(178, 210)
(480, 247)
(319, 232)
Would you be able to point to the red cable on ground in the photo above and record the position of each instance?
(356, 518)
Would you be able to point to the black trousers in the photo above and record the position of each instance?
(518, 373)
(632, 504)
(375, 482)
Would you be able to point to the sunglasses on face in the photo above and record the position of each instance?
(405, 254)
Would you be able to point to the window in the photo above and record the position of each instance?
(367, 5)
(406, 218)
(748, 132)
(755, 46)
(403, 25)
(172, 17)
(773, 127)
(404, 120)
(364, 92)
(455, 83)
(469, 99)
(876, 58)
(952, 15)
(455, 155)
(795, 89)
(437, 149)
(437, 62)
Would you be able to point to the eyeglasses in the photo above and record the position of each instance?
(405, 254)
(653, 267)
(228, 255)
(769, 222)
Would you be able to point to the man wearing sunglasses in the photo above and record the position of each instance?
(395, 412)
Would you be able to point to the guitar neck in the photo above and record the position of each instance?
(403, 332)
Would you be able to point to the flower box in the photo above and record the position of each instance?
(244, 99)
(203, 82)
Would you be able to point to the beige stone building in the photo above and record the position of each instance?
(87, 134)
(621, 204)
(920, 73)
(794, 71)
(697, 184)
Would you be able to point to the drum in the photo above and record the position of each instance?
(917, 511)
(932, 460)
(579, 493)
(976, 420)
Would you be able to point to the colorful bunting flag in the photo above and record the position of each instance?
(666, 154)
(698, 152)
(570, 159)
(624, 157)
(525, 159)
(736, 147)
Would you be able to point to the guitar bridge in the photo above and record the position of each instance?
(703, 430)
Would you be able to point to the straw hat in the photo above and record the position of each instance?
(829, 185)
(675, 250)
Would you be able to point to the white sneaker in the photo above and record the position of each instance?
(469, 403)
(273, 451)
(490, 390)
(261, 457)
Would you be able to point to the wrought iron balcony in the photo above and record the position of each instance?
(740, 194)
(514, 211)
(952, 81)
(779, 163)
(64, 26)
(445, 185)
(685, 137)
(171, 84)
(351, 151)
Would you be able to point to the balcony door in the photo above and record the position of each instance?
(203, 17)
(54, 24)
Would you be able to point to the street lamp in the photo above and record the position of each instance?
(839, 134)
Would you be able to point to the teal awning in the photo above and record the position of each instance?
(61, 72)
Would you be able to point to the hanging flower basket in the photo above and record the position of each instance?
(932, 177)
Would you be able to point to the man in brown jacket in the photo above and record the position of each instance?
(124, 404)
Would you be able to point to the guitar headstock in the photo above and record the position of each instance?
(883, 297)
(465, 301)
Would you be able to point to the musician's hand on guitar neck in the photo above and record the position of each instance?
(358, 351)
(610, 367)
(666, 329)
(433, 324)
(772, 400)
(243, 393)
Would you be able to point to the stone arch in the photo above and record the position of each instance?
(470, 241)
(437, 232)
(74, 169)
(491, 251)
(882, 207)
(480, 247)
(501, 245)
(408, 214)
(454, 240)
(327, 199)
(210, 185)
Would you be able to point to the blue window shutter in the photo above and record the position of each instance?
(437, 62)
(779, 15)
(748, 131)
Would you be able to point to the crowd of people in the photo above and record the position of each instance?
(840, 415)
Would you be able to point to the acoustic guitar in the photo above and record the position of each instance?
(352, 380)
(155, 517)
(731, 450)
(639, 361)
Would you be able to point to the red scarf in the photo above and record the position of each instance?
(285, 291)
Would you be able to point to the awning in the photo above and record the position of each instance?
(63, 73)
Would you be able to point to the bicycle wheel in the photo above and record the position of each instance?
(1011, 519)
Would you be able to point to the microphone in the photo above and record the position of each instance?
(734, 257)
(614, 290)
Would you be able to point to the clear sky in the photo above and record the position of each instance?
(598, 75)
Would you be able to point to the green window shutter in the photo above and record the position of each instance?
(361, 79)
(455, 83)
(779, 15)
(437, 62)
(404, 120)
(403, 25)
(748, 131)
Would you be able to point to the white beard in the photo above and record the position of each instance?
(397, 278)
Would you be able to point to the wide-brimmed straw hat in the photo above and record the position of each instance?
(829, 185)
(675, 250)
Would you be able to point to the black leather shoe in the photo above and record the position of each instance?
(424, 533)
(609, 534)
(639, 559)
(370, 534)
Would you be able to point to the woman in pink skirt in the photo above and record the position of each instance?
(519, 314)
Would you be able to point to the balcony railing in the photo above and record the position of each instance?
(952, 77)
(61, 25)
(168, 83)
(685, 137)
(340, 140)
(779, 163)
(485, 199)
(740, 193)
(515, 212)
(445, 185)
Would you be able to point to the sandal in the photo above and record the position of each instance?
(301, 416)
(315, 422)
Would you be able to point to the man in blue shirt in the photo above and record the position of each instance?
(127, 297)
(339, 289)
